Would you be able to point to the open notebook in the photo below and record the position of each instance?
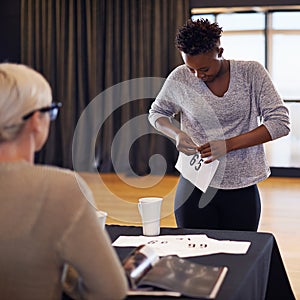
(148, 274)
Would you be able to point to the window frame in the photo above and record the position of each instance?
(268, 30)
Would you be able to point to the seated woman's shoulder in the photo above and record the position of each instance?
(63, 180)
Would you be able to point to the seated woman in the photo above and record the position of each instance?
(47, 217)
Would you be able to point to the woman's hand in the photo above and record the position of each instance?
(185, 144)
(218, 148)
(213, 150)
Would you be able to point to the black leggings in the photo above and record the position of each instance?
(237, 209)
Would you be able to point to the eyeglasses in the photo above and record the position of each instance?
(53, 110)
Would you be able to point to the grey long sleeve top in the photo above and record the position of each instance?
(250, 100)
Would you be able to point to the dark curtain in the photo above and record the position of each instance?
(106, 61)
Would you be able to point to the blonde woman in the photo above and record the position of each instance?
(47, 218)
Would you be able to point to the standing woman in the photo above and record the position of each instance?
(227, 110)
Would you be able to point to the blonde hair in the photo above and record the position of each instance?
(22, 90)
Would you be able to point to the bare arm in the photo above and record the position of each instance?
(215, 149)
(183, 142)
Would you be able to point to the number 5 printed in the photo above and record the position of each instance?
(197, 161)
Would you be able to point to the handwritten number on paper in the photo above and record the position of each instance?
(192, 245)
(157, 242)
(196, 161)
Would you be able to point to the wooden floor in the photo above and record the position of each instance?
(118, 195)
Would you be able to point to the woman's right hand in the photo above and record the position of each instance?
(185, 144)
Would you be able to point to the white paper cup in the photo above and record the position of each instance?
(101, 217)
(149, 209)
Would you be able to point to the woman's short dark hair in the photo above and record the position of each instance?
(196, 37)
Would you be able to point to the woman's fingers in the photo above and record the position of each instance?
(213, 150)
(185, 144)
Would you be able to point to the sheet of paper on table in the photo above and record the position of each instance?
(184, 245)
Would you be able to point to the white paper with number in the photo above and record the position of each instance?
(184, 245)
(193, 168)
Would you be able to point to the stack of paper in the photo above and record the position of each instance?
(184, 245)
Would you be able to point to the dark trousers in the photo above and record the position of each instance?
(237, 209)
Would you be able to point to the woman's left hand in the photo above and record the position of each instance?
(213, 150)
